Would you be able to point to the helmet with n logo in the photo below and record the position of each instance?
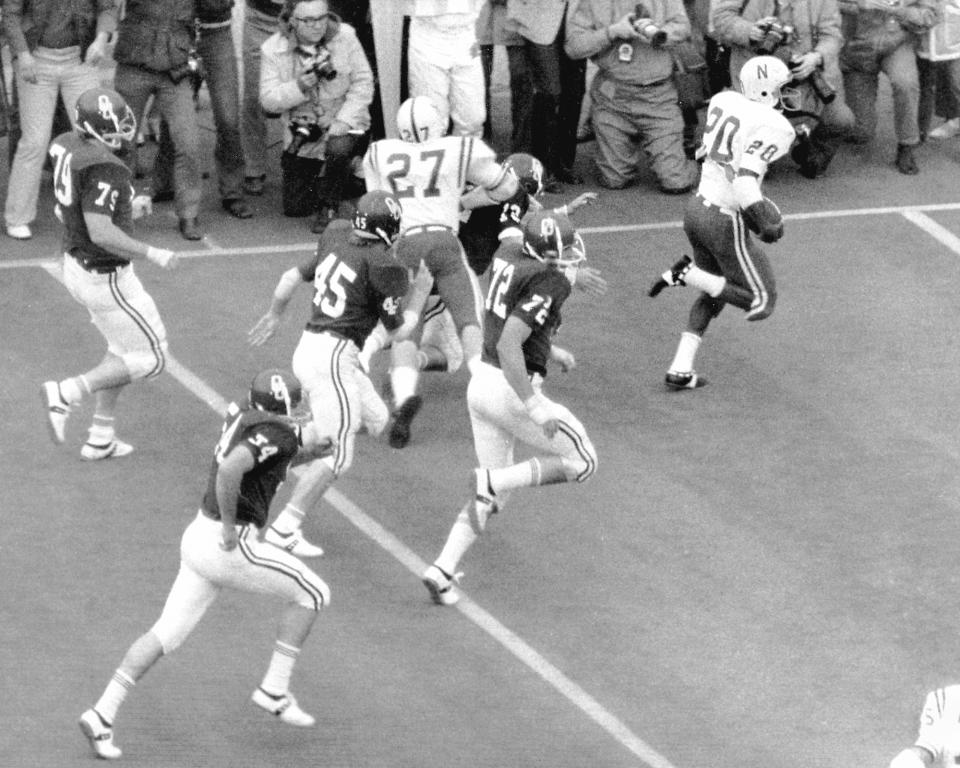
(762, 78)
(104, 115)
(275, 390)
(549, 237)
(419, 119)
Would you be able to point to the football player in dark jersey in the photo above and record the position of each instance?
(528, 286)
(221, 548)
(96, 205)
(357, 282)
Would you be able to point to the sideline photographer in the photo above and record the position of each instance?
(315, 75)
(806, 36)
(634, 109)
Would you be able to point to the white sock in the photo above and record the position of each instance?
(277, 680)
(686, 352)
(113, 695)
(403, 380)
(522, 475)
(705, 281)
(289, 520)
(101, 430)
(461, 538)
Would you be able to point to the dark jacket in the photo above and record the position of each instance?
(156, 35)
(24, 20)
(214, 11)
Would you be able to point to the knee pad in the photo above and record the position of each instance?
(583, 467)
(146, 364)
(316, 593)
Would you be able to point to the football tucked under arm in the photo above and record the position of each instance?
(764, 218)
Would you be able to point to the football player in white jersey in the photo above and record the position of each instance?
(743, 134)
(428, 171)
(938, 740)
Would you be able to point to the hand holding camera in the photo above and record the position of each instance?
(645, 28)
(770, 33)
(303, 133)
(808, 68)
(316, 67)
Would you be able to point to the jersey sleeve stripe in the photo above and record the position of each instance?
(466, 150)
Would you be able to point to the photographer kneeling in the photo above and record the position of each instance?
(806, 36)
(315, 74)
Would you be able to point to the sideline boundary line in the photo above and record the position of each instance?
(467, 607)
(910, 212)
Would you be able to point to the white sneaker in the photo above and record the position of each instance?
(293, 542)
(99, 735)
(440, 586)
(285, 707)
(112, 450)
(57, 410)
(946, 130)
(19, 231)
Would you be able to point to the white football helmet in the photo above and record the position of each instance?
(762, 79)
(419, 119)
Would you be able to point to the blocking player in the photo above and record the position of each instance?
(488, 224)
(428, 171)
(938, 740)
(95, 202)
(357, 282)
(528, 286)
(221, 548)
(743, 134)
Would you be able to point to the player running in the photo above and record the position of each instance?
(221, 548)
(95, 202)
(528, 286)
(428, 171)
(744, 133)
(357, 282)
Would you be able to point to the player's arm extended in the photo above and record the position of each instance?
(229, 478)
(510, 352)
(267, 325)
(107, 235)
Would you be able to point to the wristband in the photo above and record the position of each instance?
(537, 409)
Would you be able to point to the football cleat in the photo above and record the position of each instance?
(284, 707)
(100, 735)
(440, 586)
(678, 380)
(58, 410)
(293, 542)
(673, 277)
(115, 449)
(402, 417)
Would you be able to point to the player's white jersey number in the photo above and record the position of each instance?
(499, 284)
(405, 169)
(62, 186)
(719, 134)
(329, 280)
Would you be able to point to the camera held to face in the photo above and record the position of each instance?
(775, 35)
(825, 92)
(303, 133)
(320, 64)
(645, 28)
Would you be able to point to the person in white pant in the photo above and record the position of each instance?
(443, 60)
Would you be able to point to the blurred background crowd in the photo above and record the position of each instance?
(324, 77)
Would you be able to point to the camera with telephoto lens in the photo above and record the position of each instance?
(320, 64)
(649, 31)
(303, 133)
(775, 34)
(825, 92)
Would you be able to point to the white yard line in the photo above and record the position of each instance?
(409, 559)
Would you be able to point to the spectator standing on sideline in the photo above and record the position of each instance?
(220, 548)
(558, 87)
(315, 73)
(529, 283)
(811, 50)
(634, 106)
(938, 740)
(260, 21)
(491, 32)
(154, 40)
(880, 36)
(939, 69)
(745, 132)
(56, 48)
(443, 60)
(95, 202)
(357, 282)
